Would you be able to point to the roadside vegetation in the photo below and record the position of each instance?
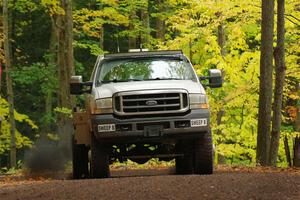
(223, 34)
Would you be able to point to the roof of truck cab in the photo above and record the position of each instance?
(146, 54)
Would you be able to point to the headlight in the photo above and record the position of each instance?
(198, 101)
(103, 106)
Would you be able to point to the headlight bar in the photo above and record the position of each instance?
(198, 101)
(103, 106)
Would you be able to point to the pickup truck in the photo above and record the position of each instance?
(143, 105)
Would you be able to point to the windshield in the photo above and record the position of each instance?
(145, 69)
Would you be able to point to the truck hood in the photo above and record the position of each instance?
(107, 90)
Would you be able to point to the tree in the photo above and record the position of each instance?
(65, 63)
(297, 127)
(160, 21)
(10, 95)
(1, 52)
(89, 24)
(65, 53)
(198, 28)
(145, 18)
(279, 56)
(22, 141)
(266, 81)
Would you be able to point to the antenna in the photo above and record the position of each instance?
(141, 47)
(118, 45)
(118, 48)
(140, 41)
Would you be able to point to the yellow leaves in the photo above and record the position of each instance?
(294, 96)
(53, 7)
(291, 134)
(21, 141)
(90, 22)
(236, 40)
(4, 112)
(235, 150)
(64, 111)
(112, 3)
(292, 112)
(24, 118)
(53, 137)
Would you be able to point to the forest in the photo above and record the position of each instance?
(51, 39)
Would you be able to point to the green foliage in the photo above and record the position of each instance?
(196, 34)
(53, 7)
(195, 30)
(102, 26)
(25, 6)
(37, 74)
(36, 81)
(64, 111)
(152, 163)
(9, 171)
(89, 24)
(92, 46)
(21, 140)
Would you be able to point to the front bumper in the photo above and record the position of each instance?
(135, 129)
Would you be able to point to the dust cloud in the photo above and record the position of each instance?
(48, 155)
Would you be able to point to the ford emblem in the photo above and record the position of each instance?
(151, 103)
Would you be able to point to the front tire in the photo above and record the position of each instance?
(80, 160)
(184, 165)
(99, 159)
(203, 163)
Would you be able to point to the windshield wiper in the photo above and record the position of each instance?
(133, 79)
(159, 79)
(117, 81)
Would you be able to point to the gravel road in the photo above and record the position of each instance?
(161, 184)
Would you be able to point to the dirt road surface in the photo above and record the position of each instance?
(160, 184)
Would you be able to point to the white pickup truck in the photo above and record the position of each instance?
(143, 105)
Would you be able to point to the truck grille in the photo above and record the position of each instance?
(150, 102)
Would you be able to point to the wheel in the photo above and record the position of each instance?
(80, 160)
(99, 159)
(203, 154)
(184, 165)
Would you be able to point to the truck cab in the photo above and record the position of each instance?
(143, 105)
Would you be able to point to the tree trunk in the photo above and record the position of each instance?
(221, 39)
(221, 112)
(62, 65)
(64, 58)
(191, 50)
(297, 152)
(265, 86)
(132, 36)
(101, 39)
(10, 95)
(65, 71)
(69, 40)
(297, 127)
(51, 64)
(145, 38)
(279, 82)
(65, 54)
(287, 151)
(160, 23)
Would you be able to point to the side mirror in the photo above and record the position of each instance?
(78, 87)
(214, 79)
